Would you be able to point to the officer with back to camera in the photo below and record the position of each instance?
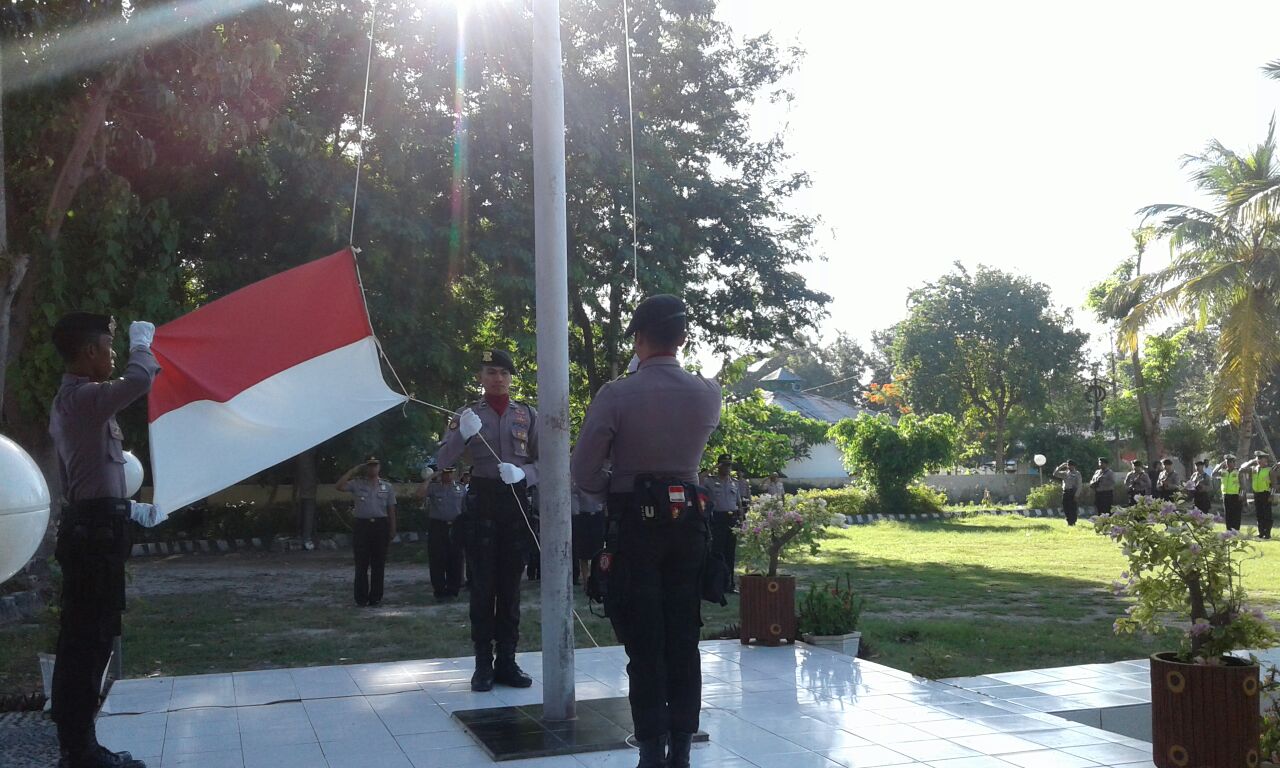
(654, 425)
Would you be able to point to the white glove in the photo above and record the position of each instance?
(510, 473)
(468, 423)
(146, 515)
(140, 335)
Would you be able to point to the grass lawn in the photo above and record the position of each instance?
(957, 597)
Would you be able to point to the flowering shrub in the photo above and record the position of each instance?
(778, 525)
(830, 610)
(1270, 729)
(1180, 564)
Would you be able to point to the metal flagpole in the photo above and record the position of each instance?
(552, 284)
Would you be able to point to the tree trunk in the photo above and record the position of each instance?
(1248, 410)
(1150, 420)
(589, 360)
(999, 425)
(1262, 435)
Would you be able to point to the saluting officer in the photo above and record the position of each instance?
(374, 527)
(93, 532)
(1232, 500)
(1261, 479)
(1071, 479)
(654, 423)
(726, 512)
(499, 437)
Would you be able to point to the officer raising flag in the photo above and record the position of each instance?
(93, 532)
(499, 439)
(654, 424)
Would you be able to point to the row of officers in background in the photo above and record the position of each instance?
(1163, 481)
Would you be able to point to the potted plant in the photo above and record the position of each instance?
(829, 617)
(773, 527)
(1205, 703)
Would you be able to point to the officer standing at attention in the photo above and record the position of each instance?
(1232, 501)
(443, 496)
(654, 425)
(1199, 485)
(1137, 482)
(726, 508)
(1260, 481)
(1070, 477)
(1103, 484)
(375, 527)
(93, 531)
(1168, 482)
(500, 438)
(774, 486)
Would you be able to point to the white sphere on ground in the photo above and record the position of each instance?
(24, 508)
(132, 475)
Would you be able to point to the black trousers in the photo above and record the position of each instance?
(1262, 507)
(724, 542)
(497, 537)
(370, 539)
(1202, 501)
(1232, 505)
(445, 557)
(1069, 506)
(1103, 500)
(658, 622)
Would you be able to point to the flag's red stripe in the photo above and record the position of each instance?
(231, 344)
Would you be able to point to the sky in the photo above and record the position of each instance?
(1020, 135)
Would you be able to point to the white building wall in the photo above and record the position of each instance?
(823, 463)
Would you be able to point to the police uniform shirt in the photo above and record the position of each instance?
(775, 489)
(1070, 478)
(444, 501)
(1169, 480)
(724, 492)
(1103, 480)
(1137, 481)
(85, 434)
(513, 434)
(374, 498)
(656, 420)
(583, 503)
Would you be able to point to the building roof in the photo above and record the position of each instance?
(814, 406)
(781, 374)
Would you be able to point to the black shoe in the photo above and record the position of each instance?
(482, 680)
(507, 672)
(99, 757)
(678, 750)
(653, 752)
(374, 603)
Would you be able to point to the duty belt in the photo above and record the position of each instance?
(97, 509)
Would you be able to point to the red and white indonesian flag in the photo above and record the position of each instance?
(261, 375)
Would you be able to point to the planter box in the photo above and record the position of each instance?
(767, 608)
(1204, 715)
(846, 644)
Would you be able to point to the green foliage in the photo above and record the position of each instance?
(1179, 564)
(1045, 496)
(987, 345)
(833, 610)
(834, 370)
(1187, 439)
(1059, 445)
(851, 500)
(889, 457)
(848, 501)
(775, 526)
(762, 437)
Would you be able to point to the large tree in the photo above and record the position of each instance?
(985, 344)
(1225, 267)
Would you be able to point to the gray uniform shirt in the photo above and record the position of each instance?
(373, 497)
(1103, 480)
(1137, 481)
(656, 420)
(1169, 480)
(513, 434)
(775, 489)
(88, 440)
(444, 500)
(1070, 478)
(725, 493)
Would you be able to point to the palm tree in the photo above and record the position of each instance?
(1225, 267)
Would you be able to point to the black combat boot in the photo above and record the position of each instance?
(98, 757)
(482, 680)
(653, 752)
(508, 672)
(678, 750)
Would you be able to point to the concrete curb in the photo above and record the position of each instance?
(224, 546)
(1085, 512)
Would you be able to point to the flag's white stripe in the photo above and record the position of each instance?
(203, 447)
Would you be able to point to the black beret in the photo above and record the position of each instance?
(499, 359)
(75, 329)
(655, 311)
(724, 459)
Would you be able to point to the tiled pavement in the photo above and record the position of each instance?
(797, 707)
